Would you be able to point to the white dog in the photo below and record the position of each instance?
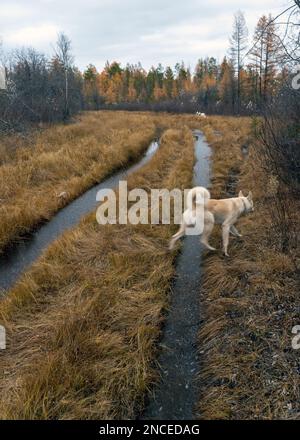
(224, 212)
(202, 115)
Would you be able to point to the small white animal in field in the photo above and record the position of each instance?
(63, 195)
(202, 115)
(224, 212)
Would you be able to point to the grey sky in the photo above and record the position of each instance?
(149, 31)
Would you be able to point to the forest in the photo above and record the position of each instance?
(251, 75)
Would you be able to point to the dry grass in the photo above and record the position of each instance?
(250, 302)
(69, 159)
(83, 322)
(63, 158)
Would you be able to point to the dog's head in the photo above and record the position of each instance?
(248, 201)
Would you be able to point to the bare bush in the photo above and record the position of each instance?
(279, 153)
(39, 89)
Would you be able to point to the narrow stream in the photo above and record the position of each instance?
(24, 252)
(175, 397)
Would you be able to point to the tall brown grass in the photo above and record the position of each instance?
(69, 159)
(63, 158)
(250, 302)
(83, 323)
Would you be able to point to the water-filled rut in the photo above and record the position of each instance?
(176, 395)
(23, 253)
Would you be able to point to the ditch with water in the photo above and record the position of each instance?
(176, 394)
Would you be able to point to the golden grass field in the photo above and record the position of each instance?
(83, 323)
(63, 158)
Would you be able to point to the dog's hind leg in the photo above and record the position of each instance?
(225, 235)
(234, 231)
(207, 230)
(177, 236)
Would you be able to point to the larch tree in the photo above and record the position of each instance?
(92, 96)
(265, 56)
(226, 85)
(256, 56)
(272, 54)
(238, 46)
(169, 81)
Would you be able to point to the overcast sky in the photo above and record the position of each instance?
(150, 31)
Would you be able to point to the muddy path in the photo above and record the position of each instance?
(176, 395)
(16, 259)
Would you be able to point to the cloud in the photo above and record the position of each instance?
(130, 31)
(13, 11)
(33, 35)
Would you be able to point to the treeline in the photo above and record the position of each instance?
(242, 83)
(39, 88)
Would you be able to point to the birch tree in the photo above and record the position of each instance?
(65, 57)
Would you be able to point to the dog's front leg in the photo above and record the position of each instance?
(225, 236)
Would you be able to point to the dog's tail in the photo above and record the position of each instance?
(197, 196)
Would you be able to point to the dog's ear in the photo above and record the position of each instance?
(241, 194)
(249, 197)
